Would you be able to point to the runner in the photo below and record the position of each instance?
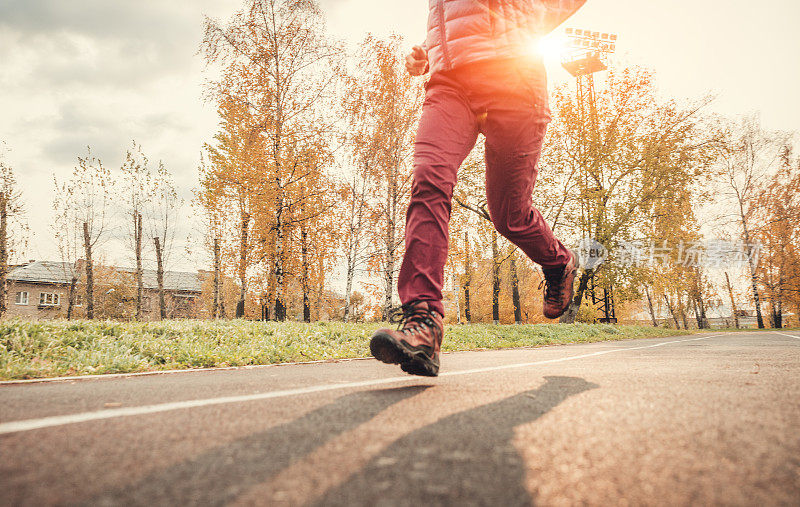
(483, 79)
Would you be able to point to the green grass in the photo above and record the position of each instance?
(58, 348)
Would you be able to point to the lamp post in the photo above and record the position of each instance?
(587, 53)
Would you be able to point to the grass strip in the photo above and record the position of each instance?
(63, 348)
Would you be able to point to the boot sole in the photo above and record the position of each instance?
(388, 350)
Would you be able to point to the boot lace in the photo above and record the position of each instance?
(552, 285)
(409, 318)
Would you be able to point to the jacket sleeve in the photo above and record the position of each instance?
(557, 11)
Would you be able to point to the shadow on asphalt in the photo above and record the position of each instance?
(218, 476)
(464, 459)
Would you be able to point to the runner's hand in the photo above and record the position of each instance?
(417, 61)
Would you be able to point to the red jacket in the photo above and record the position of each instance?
(466, 31)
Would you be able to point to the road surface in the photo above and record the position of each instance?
(703, 419)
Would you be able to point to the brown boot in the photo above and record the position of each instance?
(415, 344)
(559, 288)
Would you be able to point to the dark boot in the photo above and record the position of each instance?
(415, 344)
(559, 288)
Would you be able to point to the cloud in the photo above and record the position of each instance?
(125, 44)
(104, 19)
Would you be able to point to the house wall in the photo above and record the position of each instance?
(32, 310)
(179, 306)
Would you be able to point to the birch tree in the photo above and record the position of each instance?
(162, 214)
(385, 105)
(136, 192)
(13, 229)
(749, 154)
(83, 206)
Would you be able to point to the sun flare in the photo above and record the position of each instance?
(551, 47)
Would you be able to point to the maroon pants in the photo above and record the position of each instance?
(507, 102)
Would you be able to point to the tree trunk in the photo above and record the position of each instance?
(682, 312)
(456, 298)
(87, 247)
(733, 301)
(71, 296)
(697, 316)
(320, 287)
(348, 291)
(280, 305)
(467, 279)
(779, 303)
(572, 312)
(137, 247)
(162, 304)
(753, 274)
(215, 311)
(3, 253)
(672, 312)
(650, 306)
(222, 309)
(388, 275)
(515, 299)
(495, 279)
(243, 244)
(703, 316)
(304, 278)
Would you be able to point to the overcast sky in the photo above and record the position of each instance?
(103, 72)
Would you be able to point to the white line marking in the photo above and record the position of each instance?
(789, 335)
(48, 422)
(104, 376)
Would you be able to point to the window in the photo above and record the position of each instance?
(22, 298)
(49, 299)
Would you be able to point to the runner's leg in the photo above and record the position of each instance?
(513, 147)
(447, 132)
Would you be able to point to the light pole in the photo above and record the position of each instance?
(587, 54)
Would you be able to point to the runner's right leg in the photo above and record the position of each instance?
(447, 133)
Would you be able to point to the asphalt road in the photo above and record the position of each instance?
(706, 419)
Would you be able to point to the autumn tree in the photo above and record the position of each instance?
(136, 192)
(384, 110)
(777, 213)
(310, 220)
(276, 61)
(611, 171)
(83, 204)
(209, 212)
(750, 153)
(354, 209)
(13, 229)
(231, 181)
(470, 196)
(162, 214)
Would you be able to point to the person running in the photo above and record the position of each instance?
(483, 79)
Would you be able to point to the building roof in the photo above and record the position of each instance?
(43, 272)
(62, 273)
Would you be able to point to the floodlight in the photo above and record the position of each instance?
(613, 37)
(569, 31)
(604, 36)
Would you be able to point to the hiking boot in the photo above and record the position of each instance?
(559, 288)
(415, 344)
